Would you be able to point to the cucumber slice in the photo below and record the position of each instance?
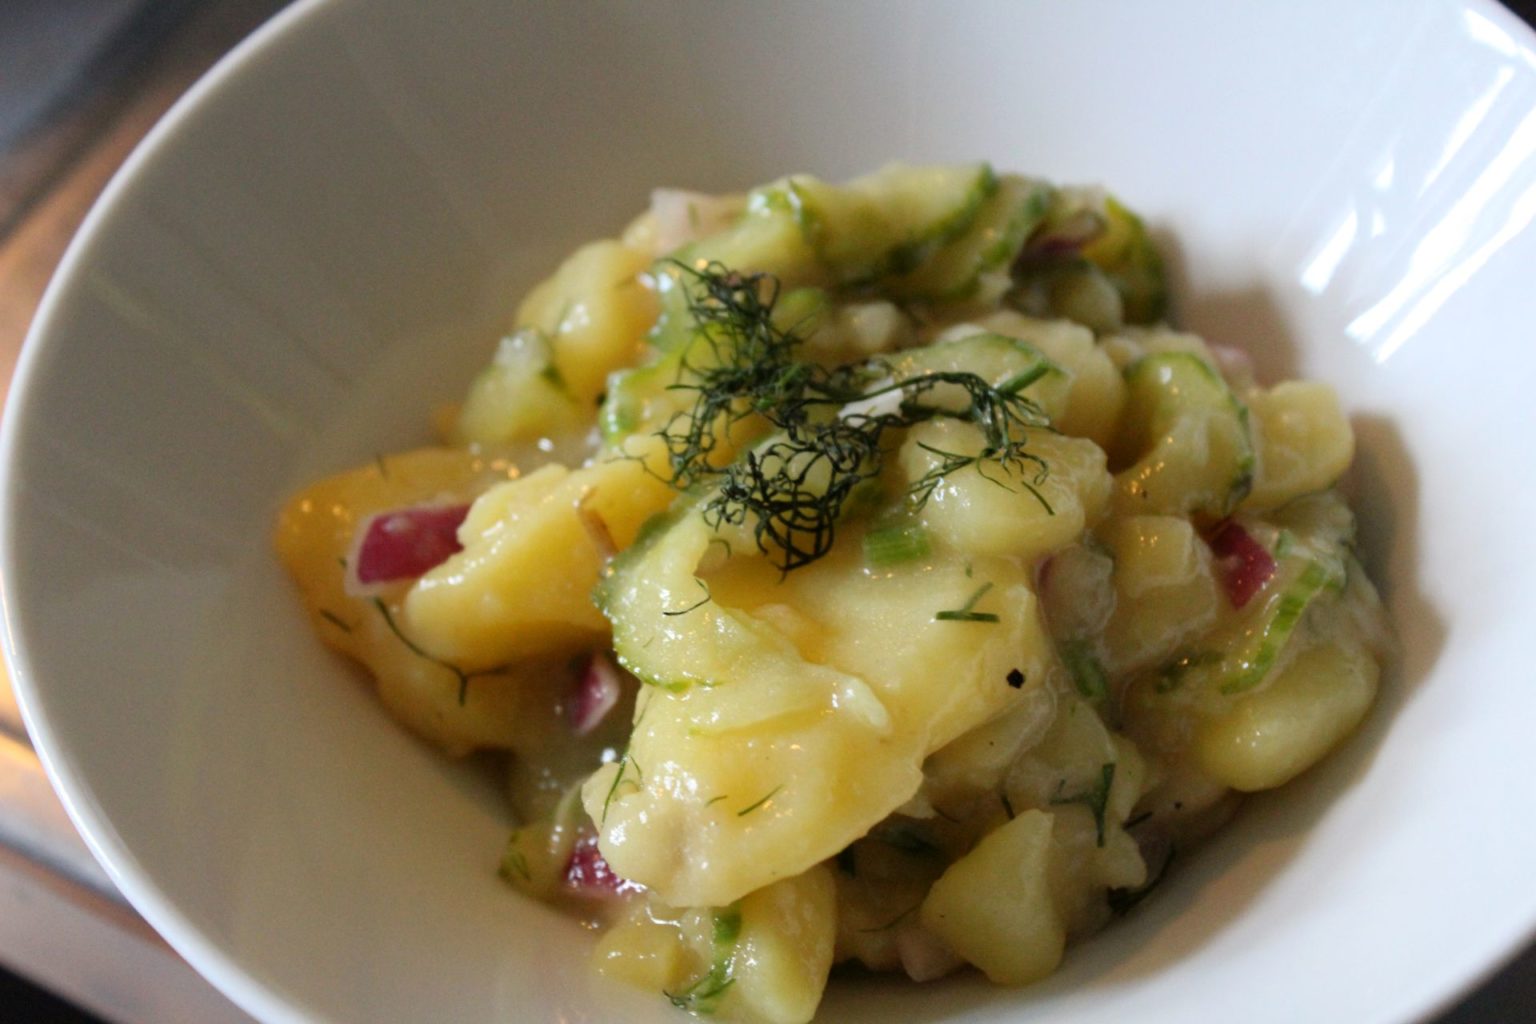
(1244, 667)
(519, 396)
(1126, 255)
(1091, 260)
(1005, 221)
(1309, 539)
(1188, 434)
(1318, 526)
(639, 399)
(888, 222)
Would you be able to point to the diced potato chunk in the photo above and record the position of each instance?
(1096, 394)
(994, 905)
(784, 953)
(595, 312)
(314, 538)
(779, 747)
(532, 554)
(1304, 440)
(1165, 591)
(1024, 511)
(519, 397)
(1272, 735)
(643, 951)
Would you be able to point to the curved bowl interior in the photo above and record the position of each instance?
(326, 240)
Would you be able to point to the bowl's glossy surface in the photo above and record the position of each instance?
(325, 238)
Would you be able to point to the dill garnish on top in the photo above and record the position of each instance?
(828, 425)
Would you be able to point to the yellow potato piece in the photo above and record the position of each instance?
(1272, 735)
(315, 535)
(786, 745)
(1027, 511)
(784, 954)
(1165, 591)
(1304, 441)
(595, 311)
(522, 585)
(1096, 393)
(994, 905)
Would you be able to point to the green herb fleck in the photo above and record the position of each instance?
(1122, 900)
(762, 800)
(1085, 668)
(965, 613)
(1095, 798)
(701, 602)
(462, 676)
(514, 862)
(625, 763)
(336, 620)
(704, 995)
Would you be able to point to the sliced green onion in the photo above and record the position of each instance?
(1087, 671)
(892, 545)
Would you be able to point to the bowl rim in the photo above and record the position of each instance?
(261, 999)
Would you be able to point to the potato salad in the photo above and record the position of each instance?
(857, 573)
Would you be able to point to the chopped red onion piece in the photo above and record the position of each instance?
(1246, 565)
(588, 875)
(405, 542)
(595, 694)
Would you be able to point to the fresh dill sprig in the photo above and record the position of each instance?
(791, 490)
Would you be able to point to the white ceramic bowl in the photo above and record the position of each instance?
(324, 238)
